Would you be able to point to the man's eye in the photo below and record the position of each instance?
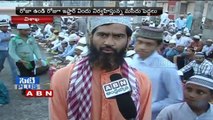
(119, 36)
(200, 92)
(102, 35)
(188, 89)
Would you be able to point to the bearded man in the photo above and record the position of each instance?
(78, 88)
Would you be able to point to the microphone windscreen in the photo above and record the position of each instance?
(115, 77)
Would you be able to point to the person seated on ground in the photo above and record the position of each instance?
(69, 51)
(170, 45)
(83, 42)
(64, 29)
(58, 41)
(187, 38)
(80, 34)
(172, 26)
(197, 44)
(208, 47)
(186, 57)
(52, 38)
(179, 39)
(183, 59)
(174, 51)
(78, 51)
(151, 24)
(47, 30)
(78, 56)
(200, 65)
(167, 36)
(63, 46)
(36, 33)
(198, 92)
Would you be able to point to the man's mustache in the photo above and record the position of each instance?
(108, 47)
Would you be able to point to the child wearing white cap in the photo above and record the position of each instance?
(198, 92)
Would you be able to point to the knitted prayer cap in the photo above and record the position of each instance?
(202, 81)
(94, 22)
(152, 33)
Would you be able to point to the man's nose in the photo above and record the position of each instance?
(143, 47)
(192, 94)
(109, 41)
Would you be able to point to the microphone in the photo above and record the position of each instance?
(124, 101)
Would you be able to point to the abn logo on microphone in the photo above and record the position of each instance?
(116, 88)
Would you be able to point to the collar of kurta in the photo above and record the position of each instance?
(149, 60)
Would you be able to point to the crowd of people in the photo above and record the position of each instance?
(170, 71)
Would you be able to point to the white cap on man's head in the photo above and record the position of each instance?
(94, 22)
(196, 37)
(23, 26)
(187, 34)
(172, 41)
(4, 24)
(73, 37)
(130, 53)
(209, 40)
(178, 33)
(62, 35)
(83, 40)
(80, 48)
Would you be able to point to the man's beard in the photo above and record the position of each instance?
(107, 61)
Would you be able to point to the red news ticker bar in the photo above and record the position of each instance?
(31, 19)
(39, 93)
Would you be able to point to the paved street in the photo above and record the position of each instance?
(20, 107)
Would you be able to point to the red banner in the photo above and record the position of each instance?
(39, 93)
(31, 19)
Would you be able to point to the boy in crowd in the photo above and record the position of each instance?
(198, 92)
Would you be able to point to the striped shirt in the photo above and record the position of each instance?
(204, 68)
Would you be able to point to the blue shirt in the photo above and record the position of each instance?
(69, 51)
(180, 23)
(189, 20)
(171, 53)
(4, 45)
(166, 84)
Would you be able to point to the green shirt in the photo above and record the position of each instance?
(23, 50)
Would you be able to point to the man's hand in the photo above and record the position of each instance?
(39, 63)
(25, 63)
